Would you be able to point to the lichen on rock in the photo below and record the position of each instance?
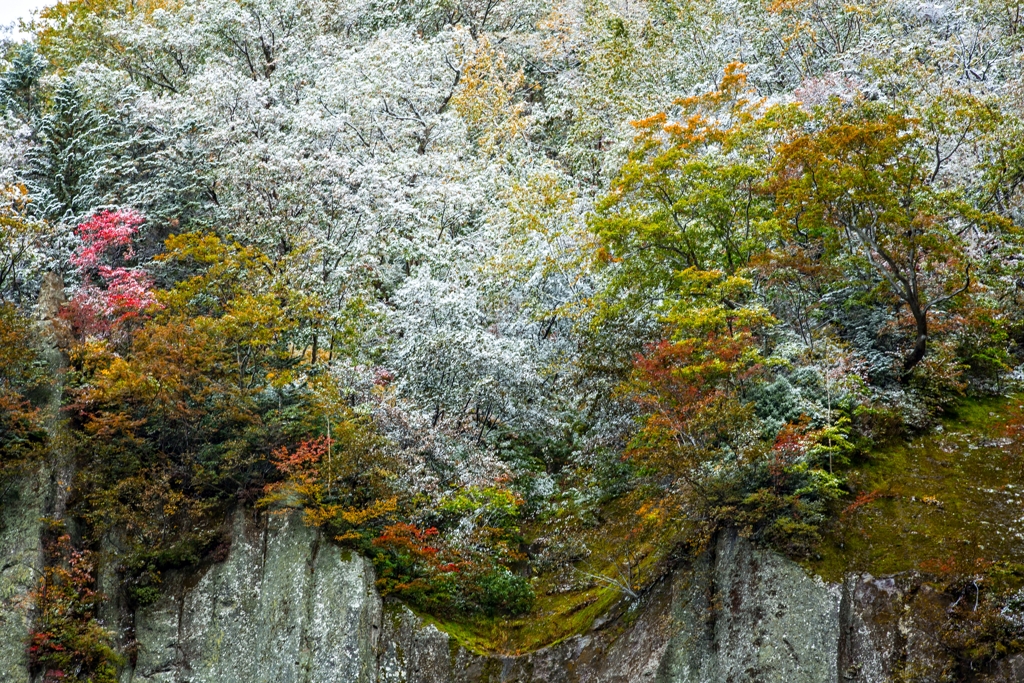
(284, 607)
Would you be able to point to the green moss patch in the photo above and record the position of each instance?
(948, 501)
(568, 601)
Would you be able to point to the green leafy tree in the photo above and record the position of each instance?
(860, 178)
(688, 196)
(677, 232)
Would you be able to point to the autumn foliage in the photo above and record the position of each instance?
(23, 384)
(517, 300)
(68, 643)
(177, 415)
(340, 485)
(111, 294)
(692, 411)
(342, 482)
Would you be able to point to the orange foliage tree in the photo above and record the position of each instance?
(862, 179)
(180, 417)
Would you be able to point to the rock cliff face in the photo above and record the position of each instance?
(21, 561)
(282, 608)
(287, 607)
(25, 502)
(749, 615)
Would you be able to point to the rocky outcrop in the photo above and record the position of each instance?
(286, 606)
(21, 563)
(750, 615)
(892, 630)
(740, 614)
(414, 652)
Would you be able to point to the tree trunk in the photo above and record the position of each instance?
(920, 344)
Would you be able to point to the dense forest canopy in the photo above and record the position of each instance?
(472, 282)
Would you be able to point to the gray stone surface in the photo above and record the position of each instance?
(750, 615)
(775, 623)
(691, 653)
(284, 607)
(871, 642)
(21, 563)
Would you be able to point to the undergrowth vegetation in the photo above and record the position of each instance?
(24, 387)
(69, 642)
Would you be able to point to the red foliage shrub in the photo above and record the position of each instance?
(110, 295)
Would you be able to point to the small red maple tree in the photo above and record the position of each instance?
(111, 293)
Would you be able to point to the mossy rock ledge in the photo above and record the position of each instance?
(285, 606)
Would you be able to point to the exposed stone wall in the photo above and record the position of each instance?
(285, 606)
(749, 615)
(40, 493)
(21, 563)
